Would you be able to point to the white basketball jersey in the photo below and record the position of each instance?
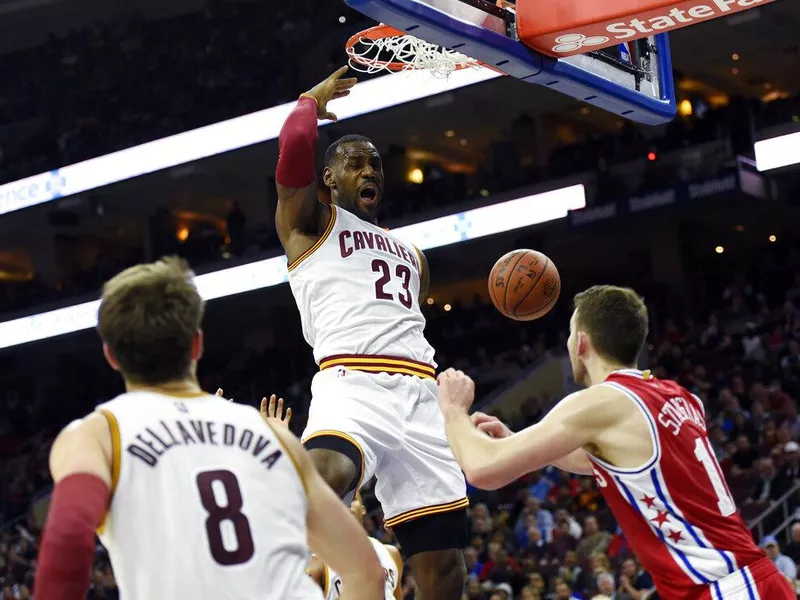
(207, 504)
(333, 583)
(357, 290)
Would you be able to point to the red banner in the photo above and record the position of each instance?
(565, 27)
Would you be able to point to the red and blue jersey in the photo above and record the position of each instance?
(676, 510)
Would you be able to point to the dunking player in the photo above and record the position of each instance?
(329, 581)
(193, 497)
(645, 442)
(357, 286)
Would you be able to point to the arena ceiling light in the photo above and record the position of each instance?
(452, 229)
(370, 96)
(778, 152)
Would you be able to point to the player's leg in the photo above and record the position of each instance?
(423, 494)
(348, 429)
(339, 462)
(433, 548)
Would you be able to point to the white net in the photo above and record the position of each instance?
(405, 52)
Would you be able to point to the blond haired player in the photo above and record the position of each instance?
(326, 578)
(358, 288)
(192, 496)
(644, 440)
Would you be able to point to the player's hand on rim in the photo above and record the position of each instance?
(333, 88)
(272, 411)
(456, 390)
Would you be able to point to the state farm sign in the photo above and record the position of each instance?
(565, 39)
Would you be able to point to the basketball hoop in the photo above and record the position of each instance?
(383, 48)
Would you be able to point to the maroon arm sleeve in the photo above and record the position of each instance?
(298, 145)
(66, 554)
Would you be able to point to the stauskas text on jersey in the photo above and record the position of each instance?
(153, 442)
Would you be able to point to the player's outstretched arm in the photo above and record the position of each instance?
(333, 534)
(80, 463)
(299, 213)
(578, 462)
(492, 463)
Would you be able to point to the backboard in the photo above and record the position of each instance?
(633, 80)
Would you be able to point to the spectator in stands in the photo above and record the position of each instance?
(783, 563)
(792, 549)
(605, 585)
(745, 456)
(634, 582)
(472, 560)
(594, 540)
(771, 484)
(575, 530)
(563, 591)
(563, 542)
(502, 591)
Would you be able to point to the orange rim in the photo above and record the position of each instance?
(380, 32)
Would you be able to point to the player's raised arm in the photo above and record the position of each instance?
(300, 217)
(333, 534)
(80, 463)
(492, 463)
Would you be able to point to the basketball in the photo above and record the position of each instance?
(524, 285)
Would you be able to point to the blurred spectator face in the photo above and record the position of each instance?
(766, 468)
(563, 527)
(563, 592)
(743, 443)
(532, 504)
(605, 583)
(758, 393)
(783, 435)
(738, 386)
(590, 526)
(717, 435)
(536, 581)
(500, 595)
(480, 525)
(494, 550)
(728, 400)
(629, 569)
(571, 559)
(501, 558)
(769, 428)
(478, 544)
(470, 556)
(480, 511)
(796, 533)
(528, 593)
(534, 535)
(562, 515)
(773, 550)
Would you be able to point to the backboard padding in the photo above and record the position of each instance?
(445, 25)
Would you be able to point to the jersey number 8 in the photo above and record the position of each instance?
(217, 515)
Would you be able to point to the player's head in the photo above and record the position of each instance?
(149, 320)
(357, 508)
(354, 174)
(608, 327)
